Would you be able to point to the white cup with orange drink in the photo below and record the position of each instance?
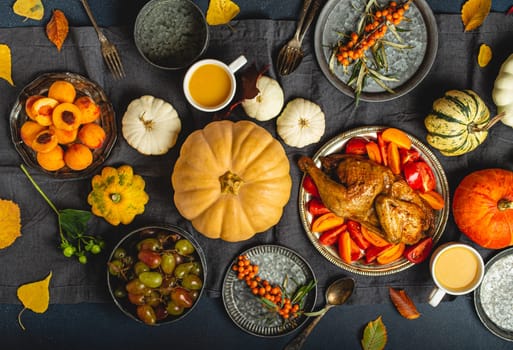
(209, 85)
(456, 269)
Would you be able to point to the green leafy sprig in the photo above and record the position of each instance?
(72, 225)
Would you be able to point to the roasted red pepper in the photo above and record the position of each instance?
(356, 145)
(419, 176)
(310, 187)
(331, 236)
(373, 251)
(355, 232)
(316, 207)
(418, 252)
(409, 155)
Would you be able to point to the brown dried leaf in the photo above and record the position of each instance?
(403, 304)
(57, 28)
(485, 55)
(474, 12)
(10, 221)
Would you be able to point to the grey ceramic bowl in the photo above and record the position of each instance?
(171, 34)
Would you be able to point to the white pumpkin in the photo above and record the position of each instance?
(151, 125)
(301, 123)
(269, 101)
(502, 93)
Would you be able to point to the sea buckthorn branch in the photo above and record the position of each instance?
(273, 297)
(373, 26)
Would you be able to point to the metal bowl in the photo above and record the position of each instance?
(330, 253)
(171, 34)
(84, 87)
(117, 282)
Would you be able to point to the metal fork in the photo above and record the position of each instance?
(109, 51)
(291, 54)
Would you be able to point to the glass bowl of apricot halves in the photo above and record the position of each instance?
(63, 124)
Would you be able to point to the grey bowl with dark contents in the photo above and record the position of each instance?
(171, 34)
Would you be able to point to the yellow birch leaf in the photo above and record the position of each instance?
(221, 12)
(32, 9)
(5, 63)
(474, 12)
(485, 55)
(10, 222)
(57, 28)
(34, 296)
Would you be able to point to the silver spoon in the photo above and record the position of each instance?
(337, 294)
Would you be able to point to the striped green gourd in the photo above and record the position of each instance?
(458, 122)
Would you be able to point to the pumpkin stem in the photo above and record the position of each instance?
(490, 123)
(230, 183)
(504, 204)
(115, 197)
(148, 124)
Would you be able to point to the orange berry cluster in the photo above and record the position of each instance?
(355, 48)
(263, 288)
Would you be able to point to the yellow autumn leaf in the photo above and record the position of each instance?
(57, 28)
(5, 63)
(221, 12)
(485, 55)
(34, 296)
(474, 12)
(32, 9)
(10, 223)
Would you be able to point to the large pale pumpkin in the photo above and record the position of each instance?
(231, 180)
(483, 207)
(502, 92)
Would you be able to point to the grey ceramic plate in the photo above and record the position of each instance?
(494, 297)
(84, 87)
(409, 66)
(335, 145)
(276, 263)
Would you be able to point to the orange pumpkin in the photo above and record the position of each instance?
(483, 207)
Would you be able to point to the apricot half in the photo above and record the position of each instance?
(67, 116)
(64, 136)
(29, 130)
(29, 106)
(52, 160)
(44, 141)
(43, 109)
(62, 91)
(78, 156)
(90, 110)
(92, 135)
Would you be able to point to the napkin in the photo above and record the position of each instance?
(36, 252)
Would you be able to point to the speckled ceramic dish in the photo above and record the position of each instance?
(276, 264)
(409, 66)
(171, 34)
(494, 297)
(84, 87)
(336, 145)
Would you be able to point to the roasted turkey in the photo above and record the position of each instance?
(357, 188)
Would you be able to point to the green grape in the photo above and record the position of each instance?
(174, 309)
(168, 263)
(119, 253)
(151, 279)
(152, 244)
(115, 267)
(184, 247)
(182, 270)
(140, 267)
(193, 282)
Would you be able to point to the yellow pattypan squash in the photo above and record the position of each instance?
(118, 195)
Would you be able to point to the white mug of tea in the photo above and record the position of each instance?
(456, 269)
(209, 84)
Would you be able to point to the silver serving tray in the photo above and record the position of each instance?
(335, 145)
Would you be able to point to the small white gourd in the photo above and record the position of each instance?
(151, 125)
(502, 93)
(269, 101)
(301, 123)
